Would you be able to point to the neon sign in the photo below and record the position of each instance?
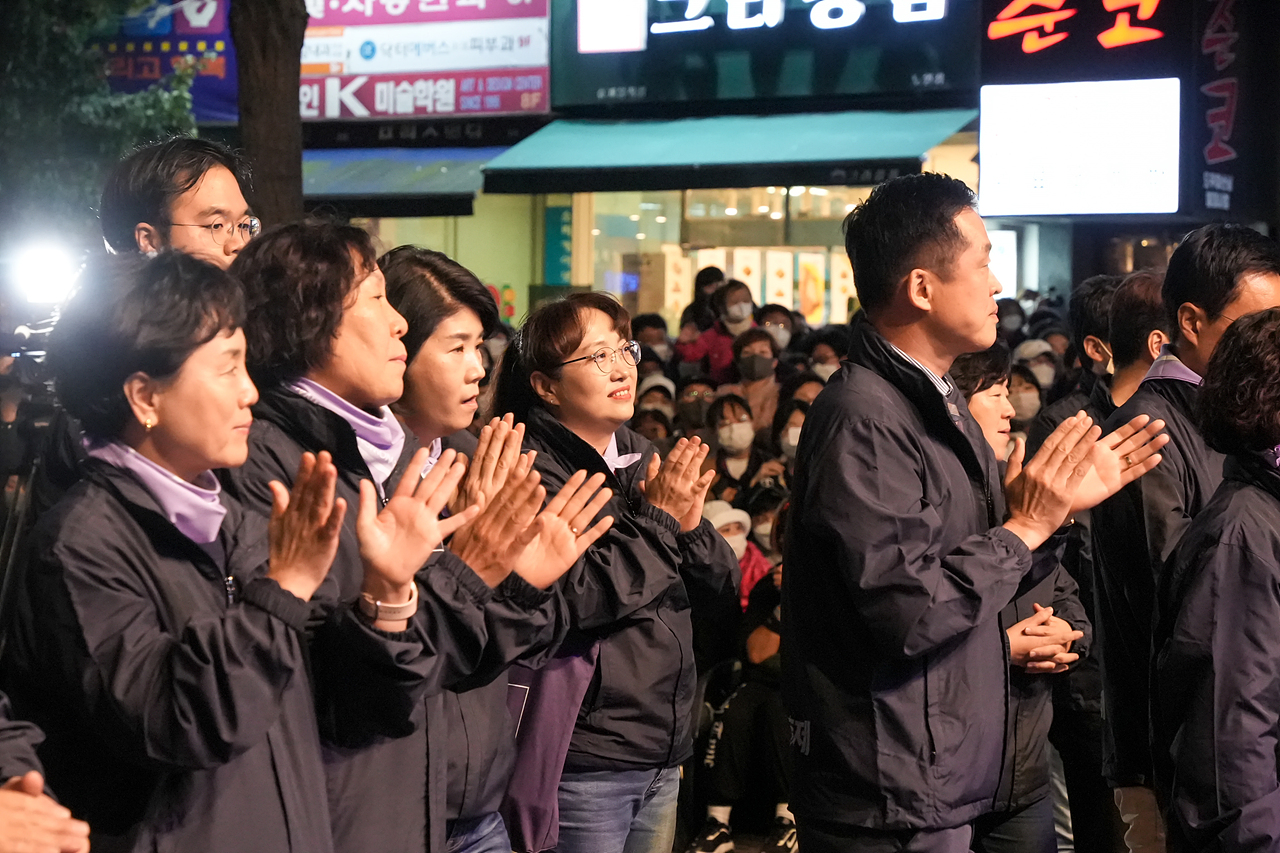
(1042, 30)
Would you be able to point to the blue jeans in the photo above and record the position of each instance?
(618, 811)
(484, 834)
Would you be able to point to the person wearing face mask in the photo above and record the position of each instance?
(657, 392)
(735, 526)
(713, 348)
(737, 458)
(750, 749)
(693, 400)
(1039, 357)
(763, 506)
(699, 315)
(651, 331)
(1025, 397)
(755, 352)
(826, 349)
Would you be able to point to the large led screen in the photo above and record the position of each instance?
(1109, 147)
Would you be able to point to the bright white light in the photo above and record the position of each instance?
(595, 232)
(731, 211)
(777, 214)
(795, 191)
(772, 190)
(1080, 148)
(45, 273)
(612, 26)
(818, 191)
(635, 217)
(661, 220)
(764, 208)
(640, 236)
(848, 208)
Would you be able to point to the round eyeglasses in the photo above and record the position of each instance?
(222, 228)
(605, 357)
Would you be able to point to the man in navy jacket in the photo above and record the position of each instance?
(903, 553)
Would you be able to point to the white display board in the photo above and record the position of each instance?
(1080, 148)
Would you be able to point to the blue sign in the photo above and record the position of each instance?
(558, 258)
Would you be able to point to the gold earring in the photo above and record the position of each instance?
(149, 424)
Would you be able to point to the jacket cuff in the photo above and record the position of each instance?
(269, 596)
(452, 565)
(1014, 544)
(521, 593)
(660, 517)
(698, 541)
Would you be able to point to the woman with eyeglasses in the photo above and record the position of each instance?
(570, 378)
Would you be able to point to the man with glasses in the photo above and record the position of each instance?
(184, 194)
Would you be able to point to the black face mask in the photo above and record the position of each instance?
(755, 367)
(692, 414)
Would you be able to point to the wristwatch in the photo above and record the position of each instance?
(376, 611)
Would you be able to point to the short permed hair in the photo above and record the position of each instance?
(143, 186)
(977, 371)
(1206, 268)
(906, 223)
(427, 287)
(135, 315)
(1239, 404)
(751, 336)
(299, 279)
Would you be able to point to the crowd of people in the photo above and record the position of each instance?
(327, 558)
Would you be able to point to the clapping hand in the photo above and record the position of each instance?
(489, 542)
(398, 540)
(560, 535)
(305, 525)
(676, 484)
(1041, 494)
(31, 821)
(1119, 459)
(496, 455)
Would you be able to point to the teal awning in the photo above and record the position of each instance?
(395, 181)
(849, 148)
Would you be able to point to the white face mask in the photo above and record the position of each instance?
(781, 335)
(496, 347)
(1045, 375)
(825, 371)
(736, 438)
(738, 542)
(1026, 404)
(764, 533)
(790, 441)
(667, 409)
(738, 311)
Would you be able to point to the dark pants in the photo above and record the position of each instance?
(1077, 735)
(755, 735)
(1027, 830)
(816, 837)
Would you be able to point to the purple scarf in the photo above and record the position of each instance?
(194, 508)
(380, 438)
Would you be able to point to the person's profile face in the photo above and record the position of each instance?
(963, 307)
(367, 365)
(442, 381)
(208, 221)
(993, 412)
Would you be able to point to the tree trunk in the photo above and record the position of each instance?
(268, 37)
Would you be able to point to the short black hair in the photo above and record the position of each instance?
(427, 287)
(774, 308)
(786, 408)
(647, 321)
(143, 186)
(652, 415)
(135, 315)
(751, 336)
(836, 337)
(720, 298)
(1206, 268)
(1089, 312)
(706, 276)
(796, 382)
(298, 279)
(716, 410)
(906, 223)
(1239, 404)
(978, 371)
(1136, 312)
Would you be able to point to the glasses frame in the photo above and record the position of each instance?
(631, 348)
(247, 228)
